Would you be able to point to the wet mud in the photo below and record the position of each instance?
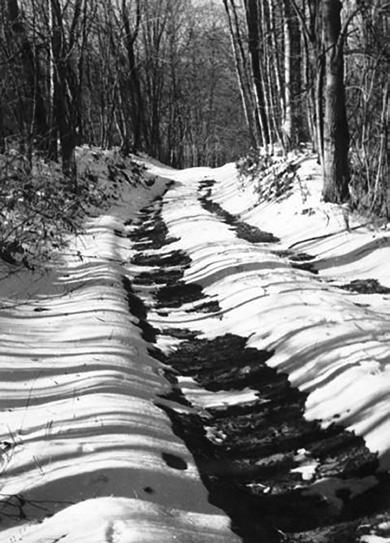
(299, 261)
(243, 229)
(366, 286)
(260, 460)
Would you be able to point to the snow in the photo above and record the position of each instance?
(205, 399)
(122, 520)
(81, 435)
(81, 438)
(307, 465)
(330, 346)
(374, 539)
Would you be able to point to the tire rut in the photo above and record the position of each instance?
(253, 457)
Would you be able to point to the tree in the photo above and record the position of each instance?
(293, 125)
(336, 134)
(68, 40)
(133, 84)
(35, 126)
(367, 85)
(275, 52)
(243, 72)
(253, 23)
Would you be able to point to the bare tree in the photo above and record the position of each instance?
(336, 134)
(253, 22)
(67, 30)
(32, 102)
(243, 71)
(293, 118)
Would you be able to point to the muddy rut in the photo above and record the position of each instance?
(250, 455)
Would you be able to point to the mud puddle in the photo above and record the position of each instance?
(279, 477)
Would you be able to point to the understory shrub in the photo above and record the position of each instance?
(39, 207)
(273, 175)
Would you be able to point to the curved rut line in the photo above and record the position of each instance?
(250, 455)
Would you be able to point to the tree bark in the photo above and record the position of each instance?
(140, 137)
(293, 130)
(33, 91)
(252, 15)
(336, 133)
(64, 115)
(2, 131)
(245, 90)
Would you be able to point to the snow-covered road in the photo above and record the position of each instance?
(211, 277)
(331, 345)
(80, 432)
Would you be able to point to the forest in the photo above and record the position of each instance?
(202, 82)
(194, 271)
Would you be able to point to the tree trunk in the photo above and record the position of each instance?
(275, 83)
(63, 112)
(35, 102)
(252, 15)
(140, 136)
(293, 122)
(318, 100)
(2, 131)
(336, 134)
(245, 90)
(53, 129)
(247, 77)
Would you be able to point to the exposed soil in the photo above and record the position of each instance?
(179, 294)
(158, 277)
(306, 266)
(243, 230)
(206, 307)
(366, 286)
(300, 261)
(152, 233)
(252, 456)
(169, 260)
(138, 309)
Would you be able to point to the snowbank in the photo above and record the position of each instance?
(81, 437)
(331, 345)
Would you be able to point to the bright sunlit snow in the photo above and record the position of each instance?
(329, 345)
(79, 424)
(81, 436)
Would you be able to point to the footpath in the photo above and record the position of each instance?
(200, 367)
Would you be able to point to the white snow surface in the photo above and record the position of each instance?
(329, 343)
(80, 435)
(82, 441)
